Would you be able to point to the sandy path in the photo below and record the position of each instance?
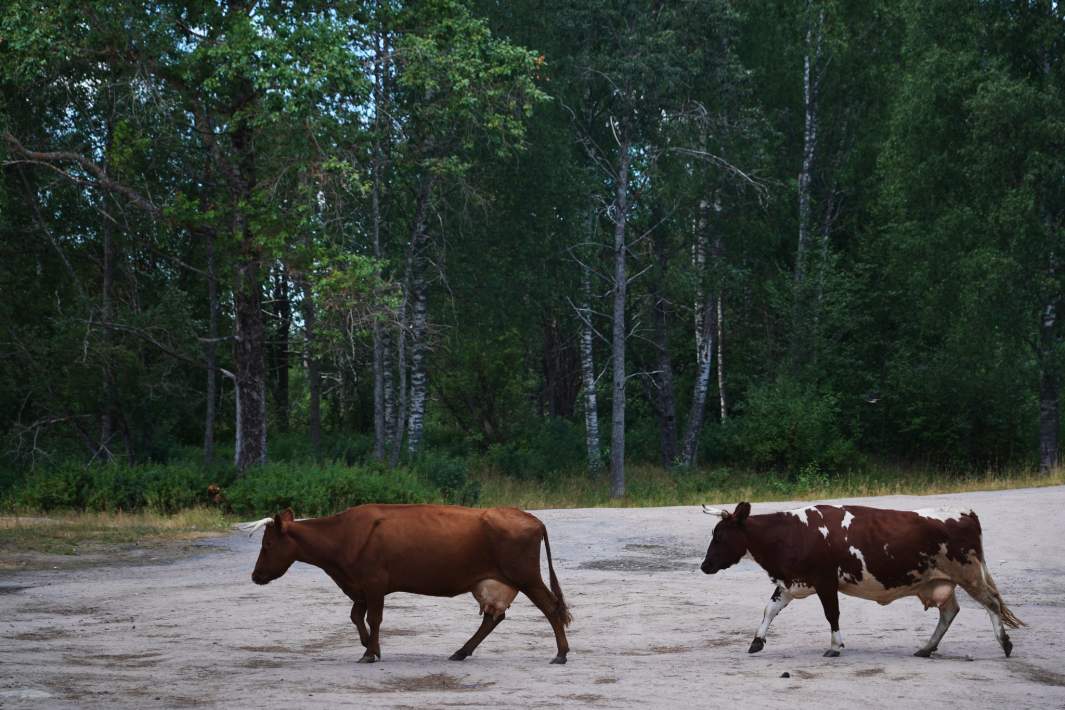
(649, 630)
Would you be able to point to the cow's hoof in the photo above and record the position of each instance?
(756, 645)
(368, 658)
(459, 656)
(924, 652)
(831, 653)
(559, 660)
(1007, 646)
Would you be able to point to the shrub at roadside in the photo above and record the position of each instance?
(308, 489)
(314, 491)
(111, 487)
(790, 427)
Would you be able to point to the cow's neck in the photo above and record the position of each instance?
(763, 541)
(316, 540)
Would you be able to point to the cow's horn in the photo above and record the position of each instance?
(715, 511)
(251, 527)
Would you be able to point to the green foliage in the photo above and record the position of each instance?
(110, 488)
(554, 447)
(789, 426)
(451, 476)
(323, 490)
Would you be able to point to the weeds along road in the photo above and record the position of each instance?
(649, 629)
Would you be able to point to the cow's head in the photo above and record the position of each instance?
(729, 543)
(278, 551)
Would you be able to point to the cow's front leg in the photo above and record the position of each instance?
(358, 617)
(829, 596)
(780, 599)
(375, 607)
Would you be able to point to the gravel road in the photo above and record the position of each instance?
(649, 629)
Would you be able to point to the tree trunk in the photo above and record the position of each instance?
(663, 377)
(617, 424)
(1049, 392)
(419, 380)
(107, 422)
(107, 418)
(810, 87)
(591, 407)
(561, 370)
(314, 370)
(279, 349)
(388, 384)
(414, 325)
(721, 357)
(381, 413)
(250, 365)
(401, 387)
(211, 351)
(705, 329)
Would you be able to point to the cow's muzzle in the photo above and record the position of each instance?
(708, 567)
(259, 578)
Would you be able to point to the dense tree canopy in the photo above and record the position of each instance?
(766, 234)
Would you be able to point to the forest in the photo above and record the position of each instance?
(320, 253)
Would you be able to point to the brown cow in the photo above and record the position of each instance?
(871, 553)
(437, 550)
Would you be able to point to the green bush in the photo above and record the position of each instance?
(313, 491)
(554, 447)
(111, 487)
(451, 476)
(789, 426)
(310, 490)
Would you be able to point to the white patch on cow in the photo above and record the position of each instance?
(774, 607)
(942, 514)
(847, 518)
(868, 587)
(837, 641)
(824, 531)
(811, 511)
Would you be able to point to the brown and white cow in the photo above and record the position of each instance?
(871, 553)
(438, 550)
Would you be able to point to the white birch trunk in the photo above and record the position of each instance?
(591, 407)
(417, 301)
(705, 330)
(810, 86)
(380, 407)
(721, 358)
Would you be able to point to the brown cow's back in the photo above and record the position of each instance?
(442, 550)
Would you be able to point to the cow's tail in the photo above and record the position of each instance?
(1004, 613)
(1008, 617)
(561, 612)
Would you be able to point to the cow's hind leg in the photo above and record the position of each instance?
(495, 598)
(375, 607)
(488, 624)
(941, 595)
(358, 617)
(829, 596)
(546, 602)
(984, 591)
(780, 599)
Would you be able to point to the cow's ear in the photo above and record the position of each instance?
(741, 512)
(287, 515)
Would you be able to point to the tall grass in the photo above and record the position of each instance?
(655, 486)
(68, 532)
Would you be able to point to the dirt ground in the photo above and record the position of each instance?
(649, 629)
